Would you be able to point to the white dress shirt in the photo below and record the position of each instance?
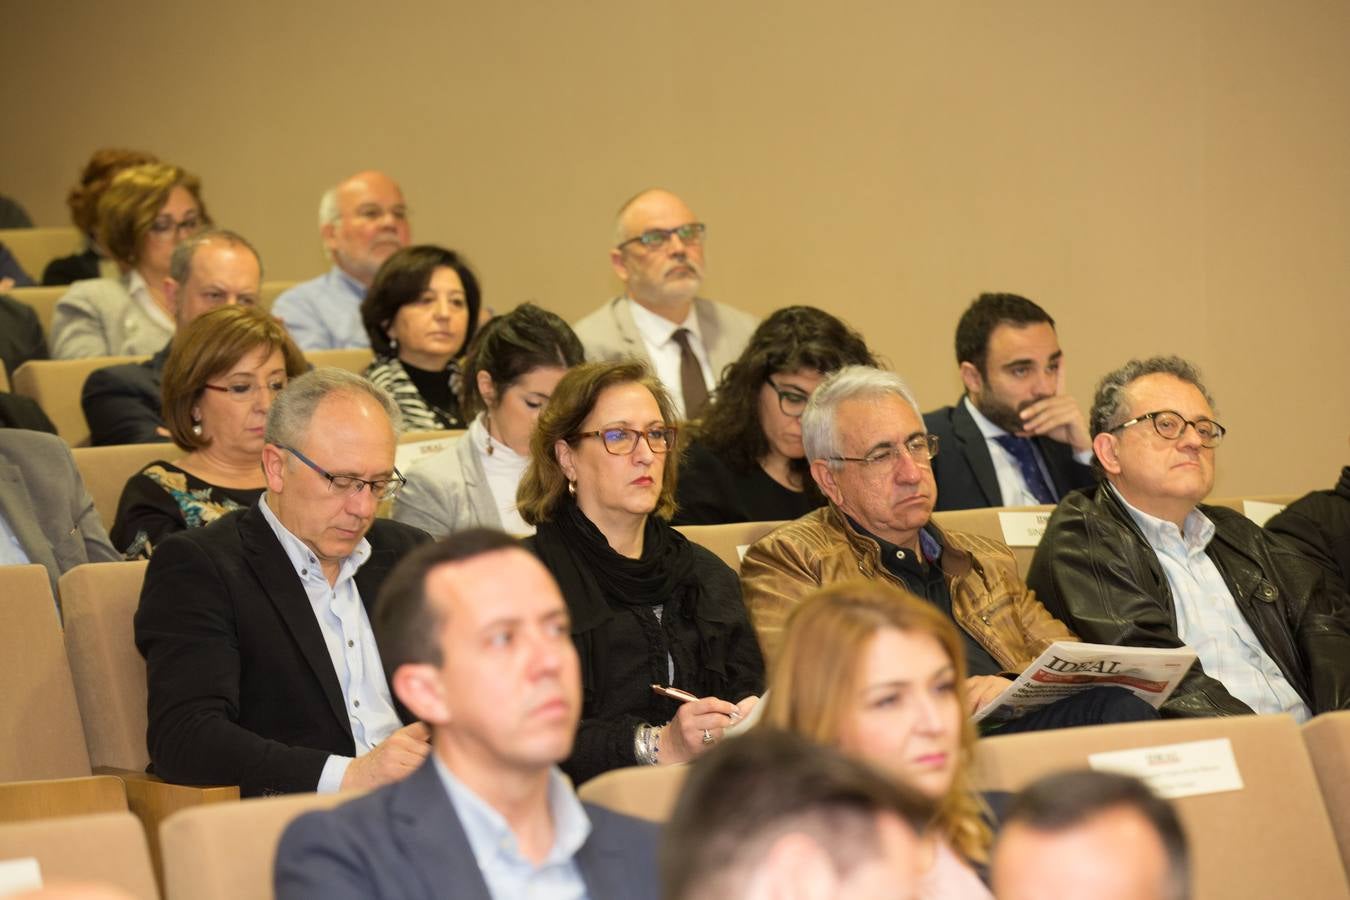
(1208, 619)
(351, 646)
(1011, 484)
(11, 551)
(504, 469)
(658, 337)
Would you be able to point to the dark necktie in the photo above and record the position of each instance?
(1024, 452)
(692, 385)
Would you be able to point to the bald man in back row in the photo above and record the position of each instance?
(659, 318)
(362, 221)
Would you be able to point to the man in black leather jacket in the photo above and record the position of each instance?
(1139, 561)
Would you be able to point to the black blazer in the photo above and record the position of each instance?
(405, 842)
(242, 690)
(122, 403)
(965, 472)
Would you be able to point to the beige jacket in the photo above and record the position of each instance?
(989, 599)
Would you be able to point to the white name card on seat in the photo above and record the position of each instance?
(18, 875)
(1177, 770)
(406, 454)
(741, 550)
(1259, 511)
(1023, 529)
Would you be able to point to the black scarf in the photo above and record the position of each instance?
(592, 575)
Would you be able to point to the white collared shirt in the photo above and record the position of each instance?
(1011, 484)
(351, 646)
(139, 290)
(11, 551)
(508, 874)
(1208, 619)
(658, 337)
(504, 469)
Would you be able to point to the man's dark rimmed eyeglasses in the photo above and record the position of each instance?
(656, 238)
(349, 485)
(1171, 424)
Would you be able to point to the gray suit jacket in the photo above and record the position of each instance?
(610, 333)
(404, 841)
(448, 492)
(43, 499)
(98, 317)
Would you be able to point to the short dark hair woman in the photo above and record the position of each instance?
(421, 313)
(647, 605)
(745, 462)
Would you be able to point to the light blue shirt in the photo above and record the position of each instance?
(324, 313)
(1208, 619)
(11, 551)
(351, 646)
(509, 875)
(1011, 484)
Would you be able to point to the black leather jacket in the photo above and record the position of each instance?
(1095, 572)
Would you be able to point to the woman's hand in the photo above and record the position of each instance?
(682, 738)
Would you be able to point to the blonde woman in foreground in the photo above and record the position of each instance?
(873, 670)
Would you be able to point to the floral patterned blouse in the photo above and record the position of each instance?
(162, 499)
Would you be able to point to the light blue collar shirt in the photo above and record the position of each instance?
(1011, 484)
(11, 551)
(1208, 619)
(324, 313)
(509, 875)
(351, 646)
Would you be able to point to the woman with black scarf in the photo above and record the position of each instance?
(648, 607)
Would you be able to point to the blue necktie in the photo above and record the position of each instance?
(1022, 450)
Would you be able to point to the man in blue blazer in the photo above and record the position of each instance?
(476, 640)
(1016, 438)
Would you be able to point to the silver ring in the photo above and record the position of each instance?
(707, 736)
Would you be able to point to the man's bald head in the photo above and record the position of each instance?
(664, 270)
(363, 220)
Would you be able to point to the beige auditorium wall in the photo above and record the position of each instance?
(1162, 176)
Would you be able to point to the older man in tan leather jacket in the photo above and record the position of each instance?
(871, 456)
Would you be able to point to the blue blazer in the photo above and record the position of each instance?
(965, 471)
(404, 841)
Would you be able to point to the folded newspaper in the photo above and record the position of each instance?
(1067, 667)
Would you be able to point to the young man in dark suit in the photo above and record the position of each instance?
(261, 663)
(1016, 438)
(477, 642)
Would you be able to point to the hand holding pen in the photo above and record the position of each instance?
(698, 724)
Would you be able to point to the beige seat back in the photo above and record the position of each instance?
(43, 301)
(38, 715)
(987, 523)
(99, 601)
(54, 798)
(647, 792)
(728, 541)
(108, 848)
(270, 291)
(356, 359)
(106, 470)
(1328, 739)
(1272, 838)
(33, 248)
(56, 385)
(226, 851)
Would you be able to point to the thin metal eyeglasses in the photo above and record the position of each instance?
(1171, 425)
(921, 448)
(168, 227)
(350, 485)
(656, 238)
(243, 392)
(373, 212)
(622, 441)
(792, 403)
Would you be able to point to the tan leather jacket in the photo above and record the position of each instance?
(989, 599)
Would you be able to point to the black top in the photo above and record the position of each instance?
(702, 631)
(162, 499)
(710, 492)
(1318, 525)
(435, 390)
(21, 337)
(70, 269)
(121, 403)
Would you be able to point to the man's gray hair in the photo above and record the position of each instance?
(329, 212)
(1109, 406)
(820, 437)
(293, 409)
(180, 263)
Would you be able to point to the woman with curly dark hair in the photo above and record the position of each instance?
(745, 462)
